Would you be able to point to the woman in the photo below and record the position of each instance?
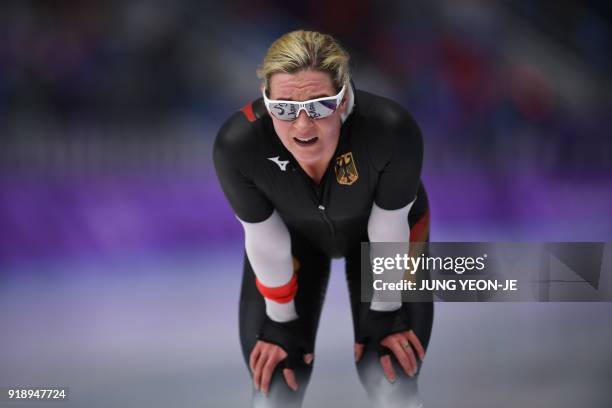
(312, 169)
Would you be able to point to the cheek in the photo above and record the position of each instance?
(282, 128)
(330, 130)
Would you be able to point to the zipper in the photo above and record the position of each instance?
(332, 230)
(325, 199)
(319, 201)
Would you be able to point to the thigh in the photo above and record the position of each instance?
(312, 269)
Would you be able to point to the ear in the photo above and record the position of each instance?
(343, 104)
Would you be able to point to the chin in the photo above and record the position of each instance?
(306, 157)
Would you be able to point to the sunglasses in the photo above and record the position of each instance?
(315, 108)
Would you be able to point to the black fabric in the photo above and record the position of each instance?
(290, 336)
(313, 276)
(374, 326)
(386, 148)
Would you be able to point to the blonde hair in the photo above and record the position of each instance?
(300, 50)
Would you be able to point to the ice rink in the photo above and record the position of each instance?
(160, 331)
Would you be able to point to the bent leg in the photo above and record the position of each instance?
(312, 275)
(404, 391)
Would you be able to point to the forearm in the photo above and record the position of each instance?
(268, 248)
(388, 226)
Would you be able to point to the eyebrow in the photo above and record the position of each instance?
(314, 97)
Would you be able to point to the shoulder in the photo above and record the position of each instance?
(386, 127)
(383, 112)
(239, 131)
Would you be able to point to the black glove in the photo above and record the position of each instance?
(290, 337)
(374, 326)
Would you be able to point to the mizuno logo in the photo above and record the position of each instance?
(282, 164)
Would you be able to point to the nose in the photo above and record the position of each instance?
(303, 121)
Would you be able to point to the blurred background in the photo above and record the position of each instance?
(120, 259)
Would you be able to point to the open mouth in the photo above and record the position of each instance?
(306, 141)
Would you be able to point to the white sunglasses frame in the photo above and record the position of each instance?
(302, 104)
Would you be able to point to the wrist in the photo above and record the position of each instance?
(290, 336)
(280, 312)
(385, 306)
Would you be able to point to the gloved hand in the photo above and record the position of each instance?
(290, 336)
(374, 326)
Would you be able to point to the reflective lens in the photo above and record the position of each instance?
(315, 108)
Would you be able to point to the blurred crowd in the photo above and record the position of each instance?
(489, 79)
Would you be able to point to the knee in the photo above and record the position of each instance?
(403, 392)
(279, 394)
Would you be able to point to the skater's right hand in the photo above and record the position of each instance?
(264, 359)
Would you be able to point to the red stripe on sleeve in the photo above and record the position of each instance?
(279, 294)
(420, 231)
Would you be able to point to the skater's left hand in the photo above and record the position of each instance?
(403, 346)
